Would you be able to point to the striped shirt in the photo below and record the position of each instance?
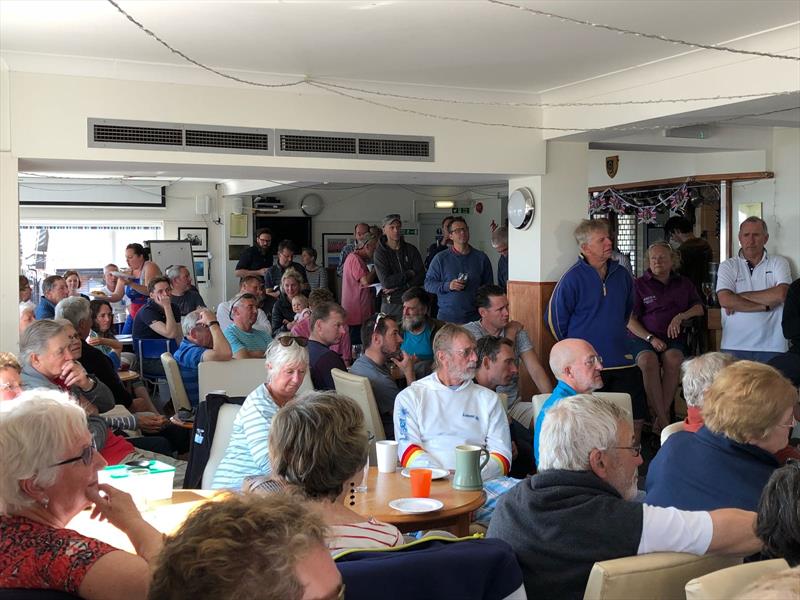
(255, 339)
(248, 449)
(367, 534)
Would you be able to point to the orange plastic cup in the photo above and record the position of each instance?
(421, 483)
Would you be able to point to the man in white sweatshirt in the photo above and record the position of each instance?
(445, 409)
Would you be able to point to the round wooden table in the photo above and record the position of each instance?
(385, 487)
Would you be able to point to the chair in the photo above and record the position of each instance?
(360, 389)
(180, 399)
(670, 429)
(656, 576)
(622, 400)
(152, 349)
(237, 377)
(729, 583)
(222, 435)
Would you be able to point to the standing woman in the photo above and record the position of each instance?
(134, 284)
(317, 275)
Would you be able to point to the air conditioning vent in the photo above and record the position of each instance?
(385, 148)
(213, 139)
(315, 145)
(131, 135)
(335, 144)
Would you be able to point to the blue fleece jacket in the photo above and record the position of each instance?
(458, 307)
(587, 307)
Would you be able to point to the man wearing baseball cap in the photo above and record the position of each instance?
(398, 265)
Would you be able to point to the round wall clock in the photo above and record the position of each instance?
(311, 205)
(521, 208)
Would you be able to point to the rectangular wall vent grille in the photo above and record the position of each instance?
(317, 144)
(392, 147)
(114, 134)
(231, 140)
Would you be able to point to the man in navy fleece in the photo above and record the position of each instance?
(456, 274)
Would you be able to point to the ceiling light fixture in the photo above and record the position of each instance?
(444, 204)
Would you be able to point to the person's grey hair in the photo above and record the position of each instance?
(699, 373)
(368, 237)
(36, 337)
(49, 282)
(500, 236)
(74, 309)
(589, 226)
(443, 340)
(189, 322)
(26, 306)
(574, 427)
(35, 433)
(278, 356)
(673, 253)
(174, 271)
(755, 220)
(110, 267)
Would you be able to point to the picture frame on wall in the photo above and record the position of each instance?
(196, 236)
(332, 244)
(201, 269)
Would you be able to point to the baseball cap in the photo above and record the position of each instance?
(391, 219)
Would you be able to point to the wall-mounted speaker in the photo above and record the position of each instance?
(202, 205)
(237, 205)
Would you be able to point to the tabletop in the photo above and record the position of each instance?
(127, 375)
(384, 487)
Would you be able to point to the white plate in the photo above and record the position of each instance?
(415, 506)
(435, 473)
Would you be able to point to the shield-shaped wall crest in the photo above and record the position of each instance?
(612, 165)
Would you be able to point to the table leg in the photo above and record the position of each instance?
(462, 525)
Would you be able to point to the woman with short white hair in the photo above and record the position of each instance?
(248, 450)
(48, 474)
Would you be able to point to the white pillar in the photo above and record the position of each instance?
(9, 225)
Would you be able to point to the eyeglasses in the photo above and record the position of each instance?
(13, 387)
(593, 360)
(636, 449)
(288, 340)
(791, 425)
(237, 300)
(466, 352)
(85, 456)
(459, 230)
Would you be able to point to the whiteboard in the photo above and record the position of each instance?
(166, 253)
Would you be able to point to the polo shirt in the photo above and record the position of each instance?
(655, 304)
(224, 318)
(754, 331)
(562, 390)
(150, 313)
(383, 387)
(189, 356)
(45, 309)
(255, 339)
(522, 343)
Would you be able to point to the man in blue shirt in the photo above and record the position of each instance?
(245, 341)
(54, 290)
(203, 340)
(577, 366)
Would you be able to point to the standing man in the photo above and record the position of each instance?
(500, 244)
(328, 325)
(382, 340)
(203, 341)
(398, 265)
(752, 288)
(441, 243)
(183, 293)
(361, 229)
(696, 253)
(578, 369)
(358, 298)
(54, 290)
(593, 301)
(257, 258)
(492, 304)
(245, 340)
(456, 274)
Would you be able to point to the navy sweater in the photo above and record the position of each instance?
(458, 307)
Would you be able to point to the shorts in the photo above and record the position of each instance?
(637, 345)
(627, 380)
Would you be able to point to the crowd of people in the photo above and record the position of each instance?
(436, 343)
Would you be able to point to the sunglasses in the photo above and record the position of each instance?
(85, 456)
(288, 340)
(245, 296)
(378, 319)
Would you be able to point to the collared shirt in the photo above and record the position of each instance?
(45, 309)
(655, 304)
(189, 356)
(562, 390)
(253, 340)
(755, 331)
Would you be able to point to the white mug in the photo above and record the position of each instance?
(387, 456)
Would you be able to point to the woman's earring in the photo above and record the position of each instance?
(44, 501)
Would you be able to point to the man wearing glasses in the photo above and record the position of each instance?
(398, 265)
(579, 509)
(577, 367)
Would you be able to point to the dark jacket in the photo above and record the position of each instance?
(398, 270)
(282, 309)
(98, 364)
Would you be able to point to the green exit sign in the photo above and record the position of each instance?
(408, 232)
(461, 211)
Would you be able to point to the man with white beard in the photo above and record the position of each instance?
(446, 409)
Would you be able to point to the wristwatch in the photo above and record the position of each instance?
(649, 338)
(210, 323)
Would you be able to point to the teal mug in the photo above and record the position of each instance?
(469, 466)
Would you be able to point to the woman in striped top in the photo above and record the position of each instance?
(319, 446)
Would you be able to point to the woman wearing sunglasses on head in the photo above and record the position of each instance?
(48, 474)
(248, 448)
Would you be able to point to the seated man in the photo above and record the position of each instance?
(245, 340)
(492, 304)
(159, 318)
(419, 328)
(577, 368)
(247, 285)
(382, 338)
(577, 509)
(184, 295)
(328, 325)
(203, 340)
(54, 290)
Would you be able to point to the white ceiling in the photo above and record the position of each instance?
(463, 44)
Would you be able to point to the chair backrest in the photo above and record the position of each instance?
(622, 400)
(237, 377)
(222, 435)
(152, 348)
(656, 576)
(180, 399)
(670, 429)
(360, 389)
(729, 583)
